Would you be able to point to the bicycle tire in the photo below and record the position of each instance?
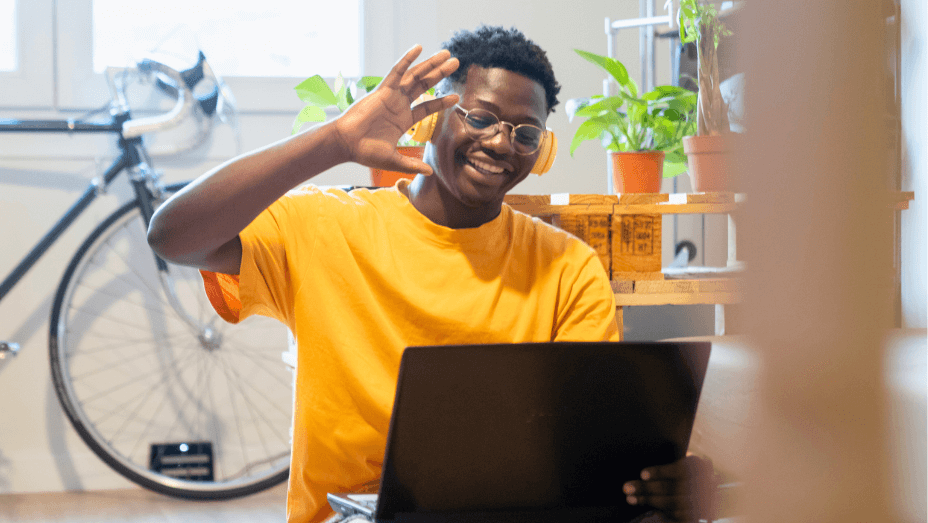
(130, 373)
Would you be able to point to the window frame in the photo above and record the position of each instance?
(32, 84)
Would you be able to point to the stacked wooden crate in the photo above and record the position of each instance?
(628, 244)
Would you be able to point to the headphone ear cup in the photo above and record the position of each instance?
(422, 130)
(546, 153)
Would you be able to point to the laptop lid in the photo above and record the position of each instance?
(524, 430)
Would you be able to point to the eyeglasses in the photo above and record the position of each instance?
(481, 124)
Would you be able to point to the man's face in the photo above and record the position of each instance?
(481, 172)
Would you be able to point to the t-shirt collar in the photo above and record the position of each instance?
(492, 231)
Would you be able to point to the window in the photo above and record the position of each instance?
(260, 48)
(262, 43)
(271, 38)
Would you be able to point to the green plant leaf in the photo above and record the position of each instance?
(310, 113)
(341, 93)
(632, 88)
(369, 83)
(637, 109)
(689, 20)
(610, 65)
(315, 91)
(651, 96)
(588, 130)
(672, 169)
(611, 118)
(348, 97)
(672, 91)
(675, 156)
(607, 104)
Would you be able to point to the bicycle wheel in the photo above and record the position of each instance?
(181, 403)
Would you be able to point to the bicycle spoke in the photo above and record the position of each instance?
(257, 390)
(134, 380)
(262, 362)
(255, 411)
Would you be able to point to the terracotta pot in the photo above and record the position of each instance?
(710, 160)
(380, 178)
(638, 172)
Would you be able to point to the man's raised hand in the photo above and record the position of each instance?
(372, 126)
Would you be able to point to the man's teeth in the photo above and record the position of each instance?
(487, 167)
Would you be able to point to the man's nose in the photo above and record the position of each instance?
(501, 142)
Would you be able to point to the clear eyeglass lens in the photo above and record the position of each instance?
(482, 125)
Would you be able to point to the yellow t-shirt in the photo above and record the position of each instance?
(359, 276)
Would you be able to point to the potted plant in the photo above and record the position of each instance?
(318, 96)
(643, 133)
(709, 151)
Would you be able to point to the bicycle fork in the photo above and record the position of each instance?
(141, 175)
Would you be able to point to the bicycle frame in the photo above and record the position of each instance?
(130, 159)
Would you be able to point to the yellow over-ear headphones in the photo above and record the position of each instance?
(423, 129)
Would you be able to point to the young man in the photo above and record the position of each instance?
(439, 260)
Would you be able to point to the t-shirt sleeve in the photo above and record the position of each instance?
(589, 313)
(264, 285)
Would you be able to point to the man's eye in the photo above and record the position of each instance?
(480, 122)
(528, 137)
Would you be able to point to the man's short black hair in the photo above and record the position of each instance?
(492, 46)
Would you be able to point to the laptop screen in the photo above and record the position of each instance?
(537, 427)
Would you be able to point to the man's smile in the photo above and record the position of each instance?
(488, 167)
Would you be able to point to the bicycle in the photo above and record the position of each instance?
(162, 390)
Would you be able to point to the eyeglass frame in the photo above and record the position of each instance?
(499, 123)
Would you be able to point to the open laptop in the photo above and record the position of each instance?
(531, 432)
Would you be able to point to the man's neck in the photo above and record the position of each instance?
(430, 198)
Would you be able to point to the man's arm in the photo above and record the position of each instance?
(199, 225)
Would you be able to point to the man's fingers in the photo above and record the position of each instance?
(402, 65)
(405, 164)
(423, 76)
(689, 466)
(421, 110)
(665, 503)
(673, 470)
(647, 488)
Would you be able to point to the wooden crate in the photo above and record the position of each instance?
(594, 229)
(636, 239)
(628, 245)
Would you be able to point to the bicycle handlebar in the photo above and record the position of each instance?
(208, 101)
(181, 110)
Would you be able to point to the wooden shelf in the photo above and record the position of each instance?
(677, 292)
(658, 203)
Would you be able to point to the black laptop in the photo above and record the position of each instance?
(531, 432)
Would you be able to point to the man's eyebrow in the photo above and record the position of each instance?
(485, 104)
